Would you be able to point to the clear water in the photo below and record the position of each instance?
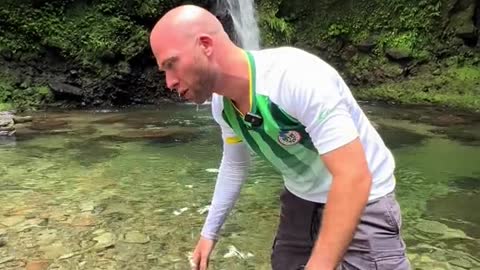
(71, 177)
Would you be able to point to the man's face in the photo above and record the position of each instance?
(187, 71)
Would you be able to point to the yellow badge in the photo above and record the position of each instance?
(233, 140)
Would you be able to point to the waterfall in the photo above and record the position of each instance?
(243, 16)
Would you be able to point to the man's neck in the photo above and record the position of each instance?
(234, 80)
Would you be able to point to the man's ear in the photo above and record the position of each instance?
(206, 43)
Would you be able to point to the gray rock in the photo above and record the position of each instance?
(104, 240)
(430, 226)
(54, 251)
(435, 227)
(461, 262)
(7, 133)
(12, 221)
(87, 206)
(6, 119)
(461, 21)
(7, 259)
(46, 237)
(136, 237)
(398, 53)
(366, 45)
(7, 125)
(22, 119)
(99, 231)
(31, 223)
(60, 87)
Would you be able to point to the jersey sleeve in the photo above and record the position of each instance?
(232, 174)
(316, 96)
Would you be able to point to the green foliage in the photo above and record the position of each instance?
(27, 98)
(275, 31)
(5, 107)
(406, 41)
(90, 34)
(468, 74)
(457, 87)
(408, 24)
(337, 30)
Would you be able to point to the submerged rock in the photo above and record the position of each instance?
(54, 250)
(48, 124)
(435, 227)
(461, 262)
(83, 220)
(105, 240)
(466, 134)
(136, 237)
(87, 206)
(12, 221)
(154, 135)
(37, 265)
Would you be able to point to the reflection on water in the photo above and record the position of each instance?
(130, 190)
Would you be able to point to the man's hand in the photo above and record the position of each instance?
(201, 254)
(346, 201)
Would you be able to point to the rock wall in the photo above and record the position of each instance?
(96, 53)
(407, 51)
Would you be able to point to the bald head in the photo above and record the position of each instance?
(192, 48)
(188, 19)
(182, 24)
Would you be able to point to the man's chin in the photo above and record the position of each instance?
(200, 101)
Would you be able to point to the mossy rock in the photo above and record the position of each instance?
(399, 53)
(462, 21)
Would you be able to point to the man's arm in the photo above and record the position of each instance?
(346, 200)
(316, 95)
(231, 176)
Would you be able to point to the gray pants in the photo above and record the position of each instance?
(377, 243)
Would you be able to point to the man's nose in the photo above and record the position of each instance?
(172, 81)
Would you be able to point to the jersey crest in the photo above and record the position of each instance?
(289, 137)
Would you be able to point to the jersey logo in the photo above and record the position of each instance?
(289, 137)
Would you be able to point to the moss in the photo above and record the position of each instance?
(5, 106)
(456, 87)
(22, 97)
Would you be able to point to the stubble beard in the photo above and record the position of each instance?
(205, 84)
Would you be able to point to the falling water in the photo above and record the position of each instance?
(243, 15)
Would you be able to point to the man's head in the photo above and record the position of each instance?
(183, 42)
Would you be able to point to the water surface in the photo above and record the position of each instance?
(129, 189)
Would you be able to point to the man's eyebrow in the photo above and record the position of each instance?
(169, 59)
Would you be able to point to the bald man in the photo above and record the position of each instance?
(338, 208)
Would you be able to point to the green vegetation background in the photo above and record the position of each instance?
(405, 51)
